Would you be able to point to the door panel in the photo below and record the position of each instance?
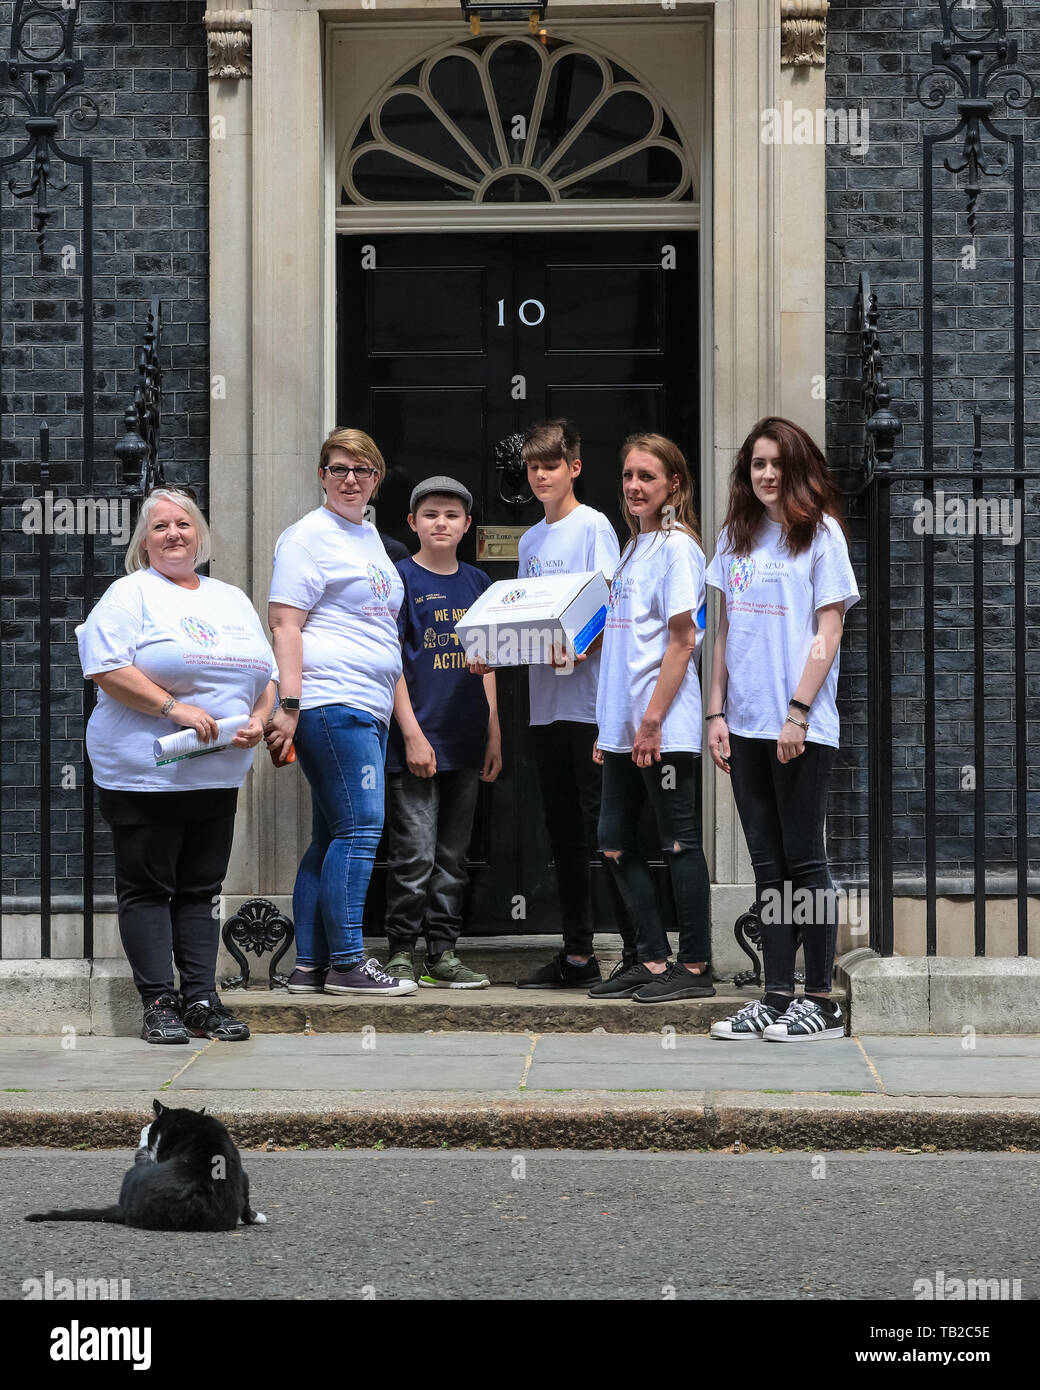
(430, 345)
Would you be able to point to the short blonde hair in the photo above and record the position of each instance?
(136, 559)
(358, 445)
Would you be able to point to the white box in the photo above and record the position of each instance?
(516, 621)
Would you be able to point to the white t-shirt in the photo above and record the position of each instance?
(660, 578)
(582, 541)
(339, 574)
(205, 646)
(772, 599)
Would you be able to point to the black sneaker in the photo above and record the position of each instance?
(204, 1019)
(560, 973)
(308, 981)
(623, 981)
(162, 1021)
(676, 983)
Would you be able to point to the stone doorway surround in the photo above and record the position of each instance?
(272, 227)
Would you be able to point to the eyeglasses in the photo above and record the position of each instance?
(361, 471)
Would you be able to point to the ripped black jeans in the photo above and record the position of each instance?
(672, 787)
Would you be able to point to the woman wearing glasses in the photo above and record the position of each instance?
(171, 650)
(334, 600)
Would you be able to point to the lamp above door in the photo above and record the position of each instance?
(497, 13)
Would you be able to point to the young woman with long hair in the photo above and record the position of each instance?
(783, 565)
(648, 710)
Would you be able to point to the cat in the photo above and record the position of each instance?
(187, 1176)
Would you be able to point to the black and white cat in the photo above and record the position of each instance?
(187, 1176)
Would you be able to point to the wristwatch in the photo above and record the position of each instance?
(287, 702)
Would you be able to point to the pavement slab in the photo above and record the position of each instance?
(640, 1091)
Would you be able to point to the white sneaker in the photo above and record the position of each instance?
(749, 1022)
(805, 1021)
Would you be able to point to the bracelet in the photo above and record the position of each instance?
(797, 723)
(168, 704)
(797, 704)
(708, 717)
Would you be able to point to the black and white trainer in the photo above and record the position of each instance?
(749, 1022)
(805, 1021)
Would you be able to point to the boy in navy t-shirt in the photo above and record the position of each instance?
(444, 741)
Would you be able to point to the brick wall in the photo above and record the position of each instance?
(876, 54)
(146, 70)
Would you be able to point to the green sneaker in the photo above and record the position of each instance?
(401, 966)
(450, 973)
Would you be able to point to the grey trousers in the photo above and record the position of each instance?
(429, 825)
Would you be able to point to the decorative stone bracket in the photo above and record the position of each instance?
(803, 33)
(229, 42)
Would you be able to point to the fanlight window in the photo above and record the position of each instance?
(513, 120)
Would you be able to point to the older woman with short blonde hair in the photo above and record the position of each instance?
(171, 649)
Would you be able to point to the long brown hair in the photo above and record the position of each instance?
(673, 461)
(807, 491)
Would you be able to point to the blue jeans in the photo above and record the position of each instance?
(341, 751)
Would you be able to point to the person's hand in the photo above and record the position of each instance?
(563, 658)
(250, 734)
(192, 717)
(280, 730)
(597, 756)
(492, 760)
(646, 748)
(478, 668)
(790, 744)
(718, 743)
(420, 757)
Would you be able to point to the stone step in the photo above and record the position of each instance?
(499, 1009)
(503, 959)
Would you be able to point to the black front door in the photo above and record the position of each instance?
(446, 344)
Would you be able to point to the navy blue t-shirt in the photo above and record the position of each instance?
(448, 701)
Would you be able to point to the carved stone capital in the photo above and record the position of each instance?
(803, 33)
(229, 42)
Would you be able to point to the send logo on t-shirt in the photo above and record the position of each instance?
(379, 581)
(200, 631)
(741, 573)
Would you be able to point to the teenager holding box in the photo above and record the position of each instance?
(650, 730)
(783, 565)
(572, 539)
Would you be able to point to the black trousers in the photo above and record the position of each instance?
(169, 875)
(571, 786)
(672, 790)
(783, 810)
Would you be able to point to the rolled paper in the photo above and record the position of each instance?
(174, 748)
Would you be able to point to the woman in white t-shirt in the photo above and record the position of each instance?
(335, 595)
(783, 565)
(648, 710)
(172, 650)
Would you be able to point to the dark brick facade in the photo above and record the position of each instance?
(876, 54)
(146, 70)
